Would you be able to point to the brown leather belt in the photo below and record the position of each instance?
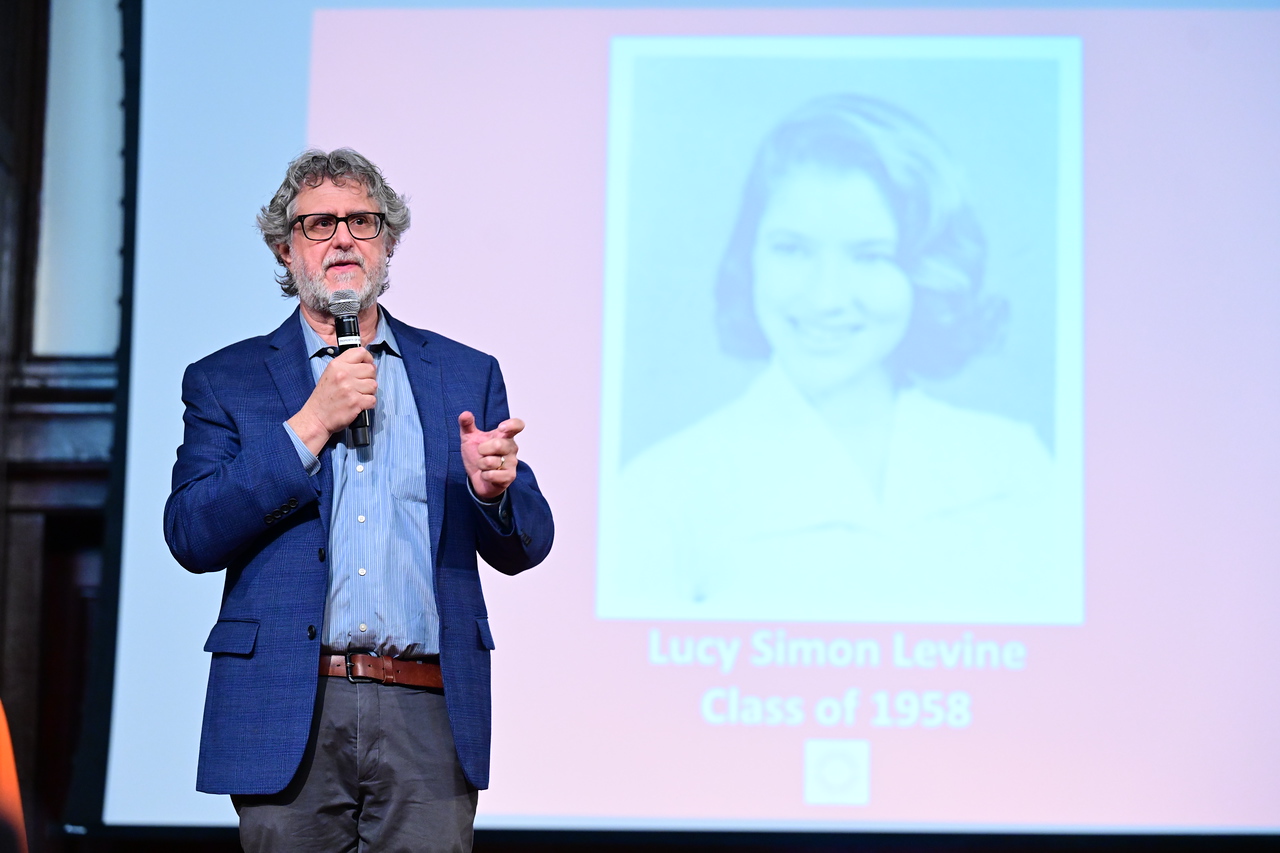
(362, 667)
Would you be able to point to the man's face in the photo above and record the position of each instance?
(341, 262)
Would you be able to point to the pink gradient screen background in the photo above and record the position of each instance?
(1158, 712)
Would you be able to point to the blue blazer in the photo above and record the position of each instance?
(242, 501)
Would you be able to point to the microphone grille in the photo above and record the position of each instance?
(343, 303)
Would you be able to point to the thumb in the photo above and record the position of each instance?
(466, 424)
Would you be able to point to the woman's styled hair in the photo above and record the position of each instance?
(312, 168)
(941, 248)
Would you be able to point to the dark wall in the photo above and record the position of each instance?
(56, 420)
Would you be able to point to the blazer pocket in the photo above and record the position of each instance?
(232, 637)
(486, 636)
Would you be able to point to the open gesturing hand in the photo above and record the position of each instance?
(489, 457)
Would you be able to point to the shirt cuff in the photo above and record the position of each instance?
(499, 511)
(308, 459)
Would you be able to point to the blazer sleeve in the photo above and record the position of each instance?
(237, 476)
(529, 529)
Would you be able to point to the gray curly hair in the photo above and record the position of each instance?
(310, 169)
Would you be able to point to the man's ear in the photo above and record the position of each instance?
(284, 252)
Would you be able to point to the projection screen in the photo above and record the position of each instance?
(1038, 594)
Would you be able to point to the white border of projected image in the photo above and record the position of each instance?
(843, 331)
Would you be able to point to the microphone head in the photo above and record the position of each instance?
(344, 303)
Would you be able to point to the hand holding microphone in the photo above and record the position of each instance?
(347, 389)
(344, 305)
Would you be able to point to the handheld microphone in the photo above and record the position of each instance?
(344, 305)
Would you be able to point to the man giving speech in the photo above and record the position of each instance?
(348, 701)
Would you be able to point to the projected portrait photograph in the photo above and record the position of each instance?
(842, 332)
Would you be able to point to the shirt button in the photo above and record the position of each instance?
(359, 469)
(362, 573)
(364, 627)
(331, 351)
(360, 518)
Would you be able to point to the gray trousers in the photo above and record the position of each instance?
(380, 775)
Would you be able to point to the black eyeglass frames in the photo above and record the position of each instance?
(321, 226)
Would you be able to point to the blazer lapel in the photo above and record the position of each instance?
(291, 371)
(428, 395)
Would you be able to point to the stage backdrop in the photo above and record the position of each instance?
(1038, 593)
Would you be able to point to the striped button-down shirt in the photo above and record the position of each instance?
(380, 574)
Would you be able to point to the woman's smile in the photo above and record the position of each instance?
(829, 294)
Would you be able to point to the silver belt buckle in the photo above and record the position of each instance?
(359, 679)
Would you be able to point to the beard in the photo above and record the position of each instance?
(313, 291)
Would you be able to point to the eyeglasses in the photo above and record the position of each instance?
(322, 226)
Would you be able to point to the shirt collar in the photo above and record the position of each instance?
(384, 339)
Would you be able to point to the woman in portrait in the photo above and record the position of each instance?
(835, 488)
